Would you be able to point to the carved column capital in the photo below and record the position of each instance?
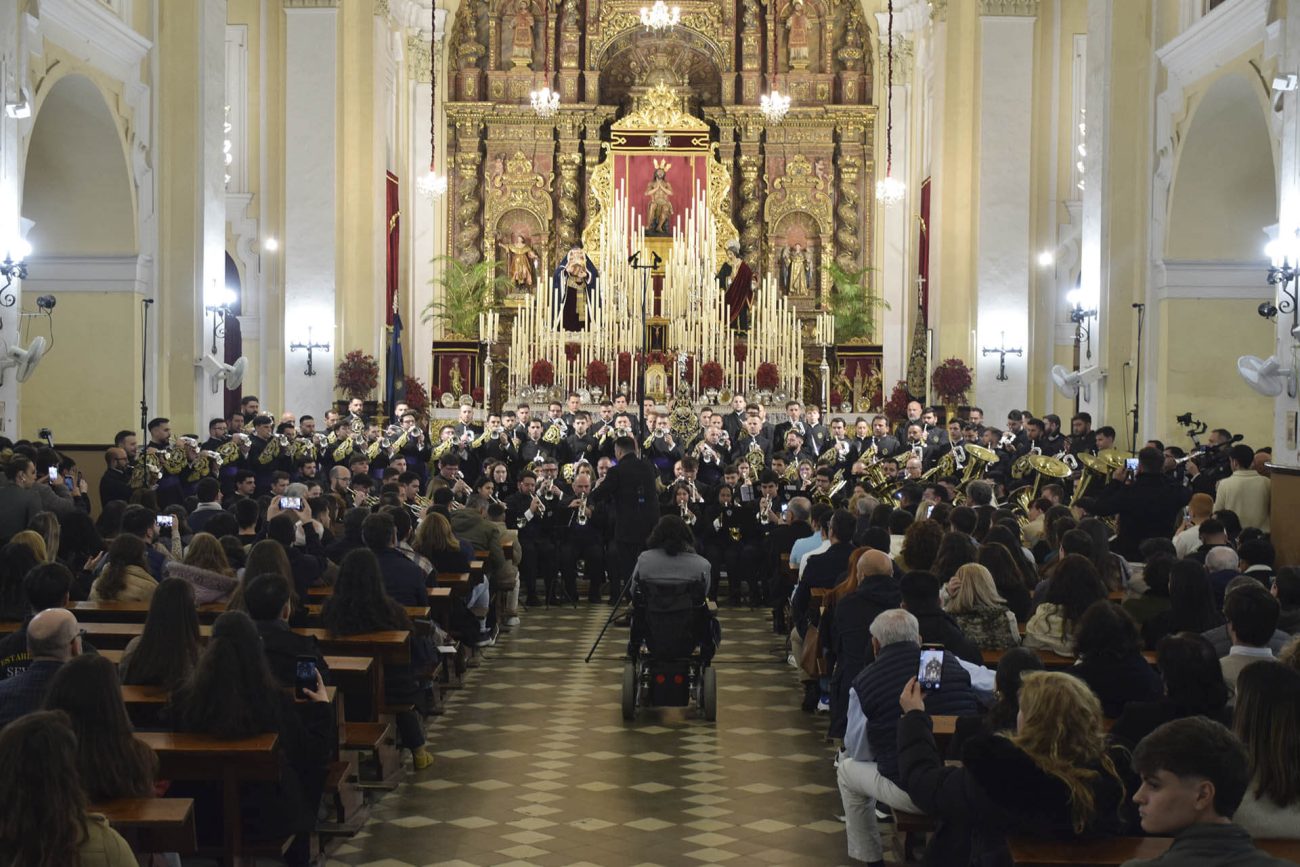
(1014, 8)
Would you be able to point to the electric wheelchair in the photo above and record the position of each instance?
(673, 639)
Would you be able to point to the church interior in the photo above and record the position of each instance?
(254, 236)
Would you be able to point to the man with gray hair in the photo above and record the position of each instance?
(52, 639)
(1221, 562)
(868, 768)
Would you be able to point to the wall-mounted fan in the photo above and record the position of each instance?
(23, 361)
(1267, 375)
(1070, 382)
(219, 372)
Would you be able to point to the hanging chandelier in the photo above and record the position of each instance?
(546, 102)
(432, 185)
(774, 106)
(660, 16)
(890, 190)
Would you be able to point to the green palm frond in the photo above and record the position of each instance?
(467, 291)
(854, 303)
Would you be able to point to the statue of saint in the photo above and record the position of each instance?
(575, 291)
(797, 36)
(659, 202)
(798, 271)
(521, 263)
(521, 52)
(737, 280)
(457, 379)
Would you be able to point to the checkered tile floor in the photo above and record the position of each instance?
(535, 765)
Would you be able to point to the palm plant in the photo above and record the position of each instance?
(467, 291)
(853, 303)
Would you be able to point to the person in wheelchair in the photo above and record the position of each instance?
(670, 587)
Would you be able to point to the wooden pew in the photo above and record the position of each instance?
(457, 582)
(194, 757)
(152, 824)
(136, 612)
(142, 700)
(1051, 660)
(945, 727)
(1033, 852)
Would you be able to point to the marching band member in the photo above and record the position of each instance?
(727, 525)
(819, 435)
(526, 514)
(579, 445)
(582, 545)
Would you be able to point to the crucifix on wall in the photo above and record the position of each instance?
(1002, 352)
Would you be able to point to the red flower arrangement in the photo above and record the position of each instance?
(477, 394)
(836, 398)
(357, 374)
(597, 373)
(896, 406)
(711, 375)
(542, 374)
(624, 366)
(571, 352)
(417, 396)
(767, 376)
(951, 381)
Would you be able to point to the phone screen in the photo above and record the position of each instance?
(291, 504)
(1131, 464)
(304, 675)
(167, 521)
(930, 673)
(54, 474)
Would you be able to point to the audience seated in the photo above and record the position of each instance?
(920, 593)
(1200, 508)
(1009, 578)
(404, 581)
(44, 820)
(1191, 605)
(232, 694)
(1251, 612)
(868, 767)
(165, 652)
(1055, 777)
(848, 634)
(1221, 563)
(206, 568)
(1268, 722)
(1075, 585)
(16, 560)
(53, 638)
(126, 576)
(1001, 715)
(1155, 596)
(1194, 775)
(80, 548)
(920, 546)
(980, 613)
(1192, 686)
(268, 600)
(955, 551)
(1109, 650)
(112, 763)
(45, 586)
(1286, 587)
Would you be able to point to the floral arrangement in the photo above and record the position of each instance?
(742, 352)
(542, 374)
(597, 373)
(624, 366)
(417, 396)
(571, 351)
(357, 375)
(896, 406)
(711, 375)
(767, 377)
(477, 394)
(951, 381)
(836, 398)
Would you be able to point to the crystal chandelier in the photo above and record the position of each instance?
(774, 106)
(546, 102)
(432, 185)
(890, 190)
(660, 16)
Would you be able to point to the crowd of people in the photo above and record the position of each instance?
(897, 537)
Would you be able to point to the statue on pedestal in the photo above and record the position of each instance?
(797, 268)
(737, 280)
(521, 263)
(797, 36)
(659, 201)
(521, 52)
(575, 291)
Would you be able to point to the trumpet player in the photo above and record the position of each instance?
(683, 504)
(663, 450)
(582, 547)
(416, 447)
(532, 449)
(450, 477)
(526, 514)
(579, 445)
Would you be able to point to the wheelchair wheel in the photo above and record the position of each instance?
(629, 691)
(709, 695)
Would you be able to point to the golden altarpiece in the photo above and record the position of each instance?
(677, 107)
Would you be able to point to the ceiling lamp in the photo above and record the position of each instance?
(774, 106)
(660, 16)
(432, 185)
(890, 190)
(546, 102)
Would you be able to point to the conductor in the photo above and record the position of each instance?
(629, 489)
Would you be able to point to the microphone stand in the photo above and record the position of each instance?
(635, 261)
(1137, 383)
(145, 303)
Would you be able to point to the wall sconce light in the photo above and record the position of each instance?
(219, 306)
(1081, 317)
(14, 267)
(1282, 273)
(311, 347)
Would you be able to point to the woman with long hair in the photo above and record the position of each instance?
(1008, 579)
(80, 546)
(670, 559)
(981, 613)
(435, 541)
(126, 575)
(921, 543)
(1112, 568)
(955, 551)
(1155, 598)
(43, 810)
(206, 568)
(265, 557)
(47, 525)
(1054, 777)
(109, 522)
(1109, 649)
(1075, 585)
(1268, 722)
(166, 650)
(112, 763)
(1010, 539)
(232, 694)
(1191, 604)
(360, 604)
(32, 540)
(1192, 686)
(1002, 714)
(16, 560)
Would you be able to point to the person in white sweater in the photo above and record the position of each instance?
(1245, 492)
(1268, 722)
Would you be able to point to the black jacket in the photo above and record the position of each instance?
(1147, 509)
(1119, 681)
(1141, 718)
(821, 570)
(282, 647)
(1207, 845)
(997, 791)
(847, 636)
(630, 489)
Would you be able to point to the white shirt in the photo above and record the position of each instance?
(1187, 541)
(803, 561)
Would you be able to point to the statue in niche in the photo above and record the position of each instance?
(659, 201)
(796, 265)
(521, 263)
(457, 379)
(575, 290)
(797, 39)
(521, 51)
(570, 14)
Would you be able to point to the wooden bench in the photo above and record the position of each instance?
(945, 727)
(137, 612)
(1051, 660)
(457, 582)
(1034, 852)
(195, 757)
(152, 824)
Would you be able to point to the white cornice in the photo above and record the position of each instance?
(93, 33)
(1218, 38)
(107, 274)
(1244, 281)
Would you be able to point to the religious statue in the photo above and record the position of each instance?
(521, 52)
(457, 379)
(521, 263)
(575, 291)
(797, 267)
(736, 279)
(659, 201)
(797, 36)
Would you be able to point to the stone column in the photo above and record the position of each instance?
(1285, 407)
(469, 201)
(12, 24)
(1003, 253)
(750, 191)
(310, 203)
(894, 281)
(567, 205)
